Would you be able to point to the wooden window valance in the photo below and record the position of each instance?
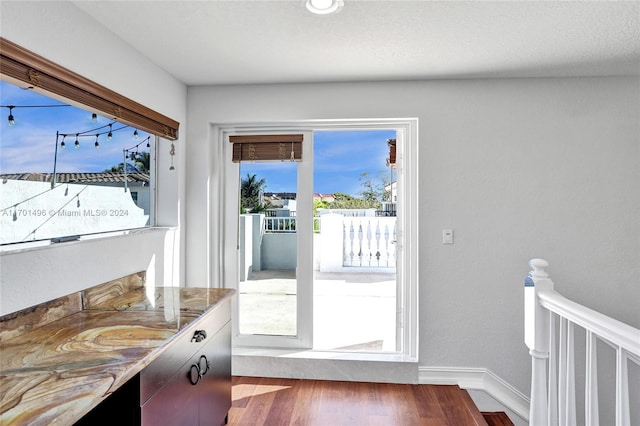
(266, 147)
(34, 70)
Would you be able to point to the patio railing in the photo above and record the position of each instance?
(347, 242)
(279, 224)
(369, 241)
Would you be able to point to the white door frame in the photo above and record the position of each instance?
(224, 211)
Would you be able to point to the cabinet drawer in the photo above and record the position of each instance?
(156, 374)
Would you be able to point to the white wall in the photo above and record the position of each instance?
(62, 33)
(519, 168)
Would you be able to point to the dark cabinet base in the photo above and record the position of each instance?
(123, 403)
(166, 393)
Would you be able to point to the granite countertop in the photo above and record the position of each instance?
(59, 360)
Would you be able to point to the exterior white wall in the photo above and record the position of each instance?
(64, 34)
(519, 168)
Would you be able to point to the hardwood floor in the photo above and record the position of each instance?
(270, 402)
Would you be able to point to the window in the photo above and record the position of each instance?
(66, 172)
(76, 157)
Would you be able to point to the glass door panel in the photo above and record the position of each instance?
(354, 296)
(268, 249)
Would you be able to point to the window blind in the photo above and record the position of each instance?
(266, 147)
(34, 70)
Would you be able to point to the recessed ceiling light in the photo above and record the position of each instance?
(324, 7)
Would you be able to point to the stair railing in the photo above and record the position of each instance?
(553, 397)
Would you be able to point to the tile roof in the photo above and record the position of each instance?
(99, 177)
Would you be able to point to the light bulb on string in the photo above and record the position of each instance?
(94, 117)
(135, 134)
(149, 142)
(62, 144)
(97, 144)
(11, 119)
(77, 143)
(109, 135)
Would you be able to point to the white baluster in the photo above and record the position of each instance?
(360, 253)
(591, 415)
(378, 243)
(369, 242)
(351, 239)
(623, 414)
(571, 377)
(552, 414)
(562, 372)
(386, 243)
(567, 394)
(344, 244)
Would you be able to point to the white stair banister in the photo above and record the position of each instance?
(553, 395)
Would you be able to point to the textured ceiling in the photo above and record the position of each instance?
(276, 41)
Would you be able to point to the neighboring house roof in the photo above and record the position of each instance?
(99, 177)
(280, 195)
(324, 197)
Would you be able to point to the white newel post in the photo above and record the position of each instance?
(536, 337)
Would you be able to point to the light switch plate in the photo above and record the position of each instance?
(447, 236)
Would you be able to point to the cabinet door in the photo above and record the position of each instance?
(215, 386)
(177, 403)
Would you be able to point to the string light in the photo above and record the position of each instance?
(133, 154)
(62, 144)
(76, 143)
(94, 117)
(97, 144)
(11, 119)
(135, 134)
(92, 132)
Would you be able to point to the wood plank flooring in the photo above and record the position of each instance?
(272, 402)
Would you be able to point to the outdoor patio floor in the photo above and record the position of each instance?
(352, 311)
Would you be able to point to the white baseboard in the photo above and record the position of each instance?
(479, 379)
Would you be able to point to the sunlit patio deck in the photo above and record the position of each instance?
(352, 310)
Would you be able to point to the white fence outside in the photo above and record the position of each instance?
(369, 242)
(364, 244)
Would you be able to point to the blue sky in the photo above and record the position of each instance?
(29, 145)
(340, 157)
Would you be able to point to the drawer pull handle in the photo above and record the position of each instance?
(199, 336)
(194, 374)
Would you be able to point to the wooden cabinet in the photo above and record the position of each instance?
(199, 392)
(188, 384)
